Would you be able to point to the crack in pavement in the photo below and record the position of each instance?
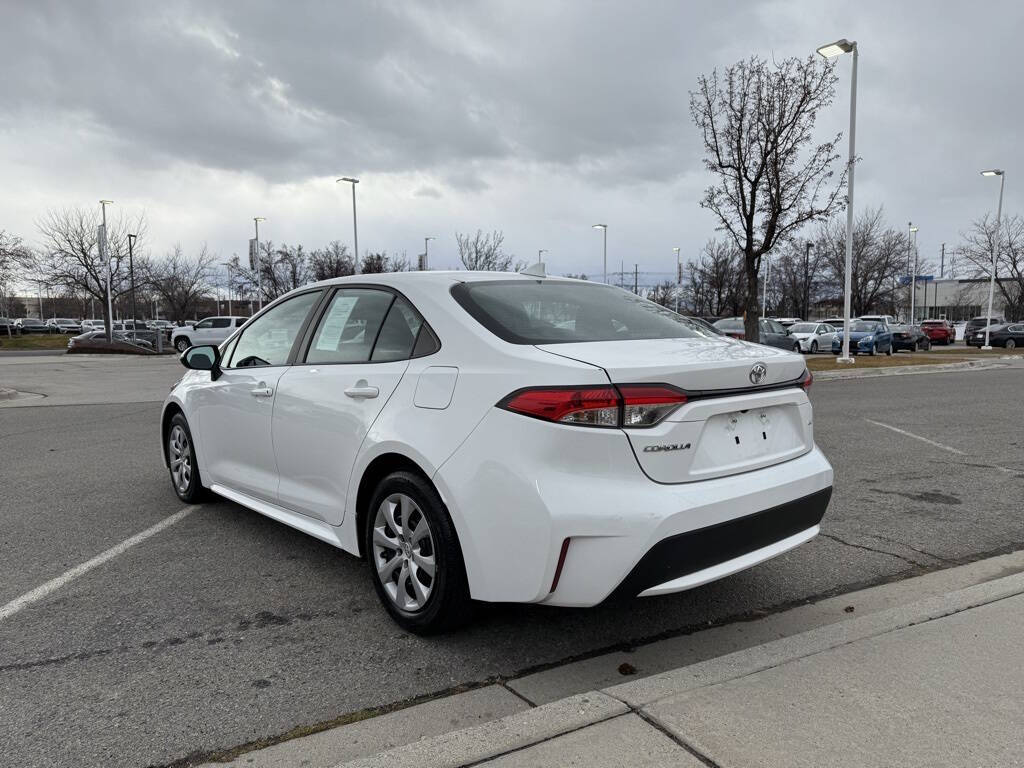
(906, 560)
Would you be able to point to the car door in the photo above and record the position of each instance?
(235, 410)
(357, 354)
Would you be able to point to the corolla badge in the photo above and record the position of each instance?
(758, 373)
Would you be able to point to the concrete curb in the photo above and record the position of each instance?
(497, 737)
(907, 370)
(479, 743)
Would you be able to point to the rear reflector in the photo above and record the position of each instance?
(806, 380)
(561, 562)
(625, 405)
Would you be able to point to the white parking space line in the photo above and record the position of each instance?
(917, 437)
(52, 585)
(949, 448)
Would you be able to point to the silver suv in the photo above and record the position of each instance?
(210, 330)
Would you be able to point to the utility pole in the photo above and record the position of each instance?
(636, 278)
(106, 257)
(355, 227)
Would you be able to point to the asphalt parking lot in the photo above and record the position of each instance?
(224, 627)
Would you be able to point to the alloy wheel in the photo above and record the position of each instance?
(180, 452)
(403, 552)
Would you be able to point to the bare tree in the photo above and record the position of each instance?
(976, 250)
(14, 260)
(70, 257)
(332, 261)
(486, 252)
(797, 276)
(715, 283)
(180, 281)
(756, 120)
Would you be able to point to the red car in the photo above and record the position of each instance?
(939, 331)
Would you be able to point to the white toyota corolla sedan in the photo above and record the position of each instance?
(503, 437)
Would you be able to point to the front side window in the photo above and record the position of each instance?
(201, 325)
(269, 339)
(555, 312)
(349, 327)
(220, 322)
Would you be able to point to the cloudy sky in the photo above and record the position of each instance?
(537, 118)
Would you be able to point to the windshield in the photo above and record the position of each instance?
(556, 311)
(803, 327)
(859, 326)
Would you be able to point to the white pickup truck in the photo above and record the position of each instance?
(209, 330)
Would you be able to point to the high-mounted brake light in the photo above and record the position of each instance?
(625, 405)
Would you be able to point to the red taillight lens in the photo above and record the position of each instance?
(644, 405)
(806, 380)
(627, 405)
(590, 406)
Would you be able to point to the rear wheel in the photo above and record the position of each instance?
(414, 556)
(889, 350)
(1011, 344)
(182, 343)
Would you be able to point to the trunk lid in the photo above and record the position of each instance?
(730, 424)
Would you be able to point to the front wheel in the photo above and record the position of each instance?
(181, 461)
(814, 347)
(182, 343)
(888, 350)
(414, 556)
(873, 350)
(1011, 344)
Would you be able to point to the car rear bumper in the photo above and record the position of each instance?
(516, 495)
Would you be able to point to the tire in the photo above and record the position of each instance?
(441, 602)
(185, 477)
(927, 345)
(796, 347)
(814, 347)
(874, 349)
(889, 350)
(1010, 345)
(182, 343)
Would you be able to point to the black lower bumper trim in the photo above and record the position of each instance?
(694, 551)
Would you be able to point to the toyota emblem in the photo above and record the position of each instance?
(758, 373)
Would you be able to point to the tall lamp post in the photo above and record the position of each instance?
(106, 257)
(259, 263)
(911, 267)
(604, 230)
(355, 228)
(807, 279)
(540, 254)
(679, 278)
(830, 51)
(131, 272)
(426, 252)
(764, 298)
(995, 250)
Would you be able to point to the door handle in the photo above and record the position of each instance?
(263, 391)
(362, 391)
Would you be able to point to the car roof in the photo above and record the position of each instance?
(440, 278)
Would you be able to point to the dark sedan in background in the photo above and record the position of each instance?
(1009, 335)
(866, 338)
(909, 338)
(772, 334)
(32, 325)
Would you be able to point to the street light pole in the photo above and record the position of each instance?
(807, 279)
(540, 253)
(426, 251)
(679, 278)
(355, 228)
(259, 263)
(911, 242)
(131, 272)
(995, 251)
(604, 230)
(764, 298)
(829, 51)
(106, 258)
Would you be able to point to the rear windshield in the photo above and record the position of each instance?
(730, 324)
(803, 327)
(862, 326)
(556, 311)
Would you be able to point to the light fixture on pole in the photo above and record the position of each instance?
(105, 255)
(426, 253)
(830, 51)
(679, 278)
(995, 250)
(355, 228)
(540, 254)
(604, 230)
(259, 263)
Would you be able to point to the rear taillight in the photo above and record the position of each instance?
(806, 380)
(625, 405)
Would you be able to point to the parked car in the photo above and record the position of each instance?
(92, 325)
(703, 324)
(910, 338)
(978, 324)
(866, 338)
(8, 327)
(378, 415)
(93, 336)
(65, 325)
(210, 330)
(161, 325)
(835, 322)
(885, 319)
(813, 337)
(33, 325)
(939, 331)
(787, 322)
(772, 334)
(1009, 335)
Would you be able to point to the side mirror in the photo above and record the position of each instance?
(205, 357)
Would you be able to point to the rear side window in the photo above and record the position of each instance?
(349, 327)
(556, 311)
(398, 334)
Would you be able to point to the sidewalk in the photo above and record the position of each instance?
(927, 676)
